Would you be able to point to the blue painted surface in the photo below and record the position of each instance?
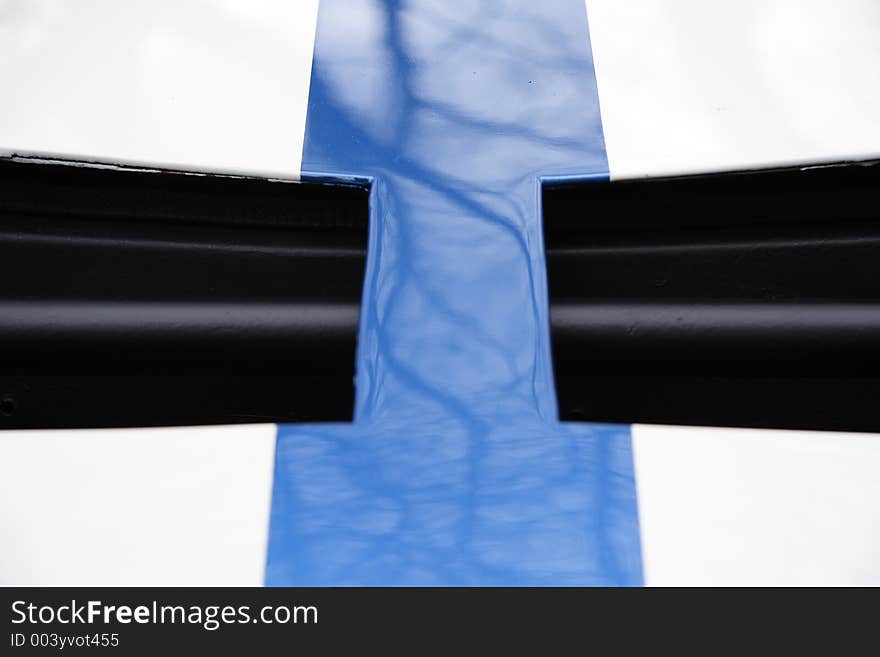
(456, 470)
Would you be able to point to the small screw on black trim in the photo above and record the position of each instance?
(8, 406)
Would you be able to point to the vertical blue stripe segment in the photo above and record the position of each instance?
(456, 470)
(430, 505)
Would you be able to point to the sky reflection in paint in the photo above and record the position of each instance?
(456, 470)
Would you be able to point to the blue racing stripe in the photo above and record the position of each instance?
(456, 470)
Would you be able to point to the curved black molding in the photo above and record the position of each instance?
(138, 298)
(748, 299)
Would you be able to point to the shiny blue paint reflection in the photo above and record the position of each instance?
(428, 503)
(456, 470)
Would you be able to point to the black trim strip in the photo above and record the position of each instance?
(140, 298)
(747, 299)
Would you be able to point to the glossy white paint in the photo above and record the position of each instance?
(195, 85)
(757, 507)
(151, 507)
(690, 86)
